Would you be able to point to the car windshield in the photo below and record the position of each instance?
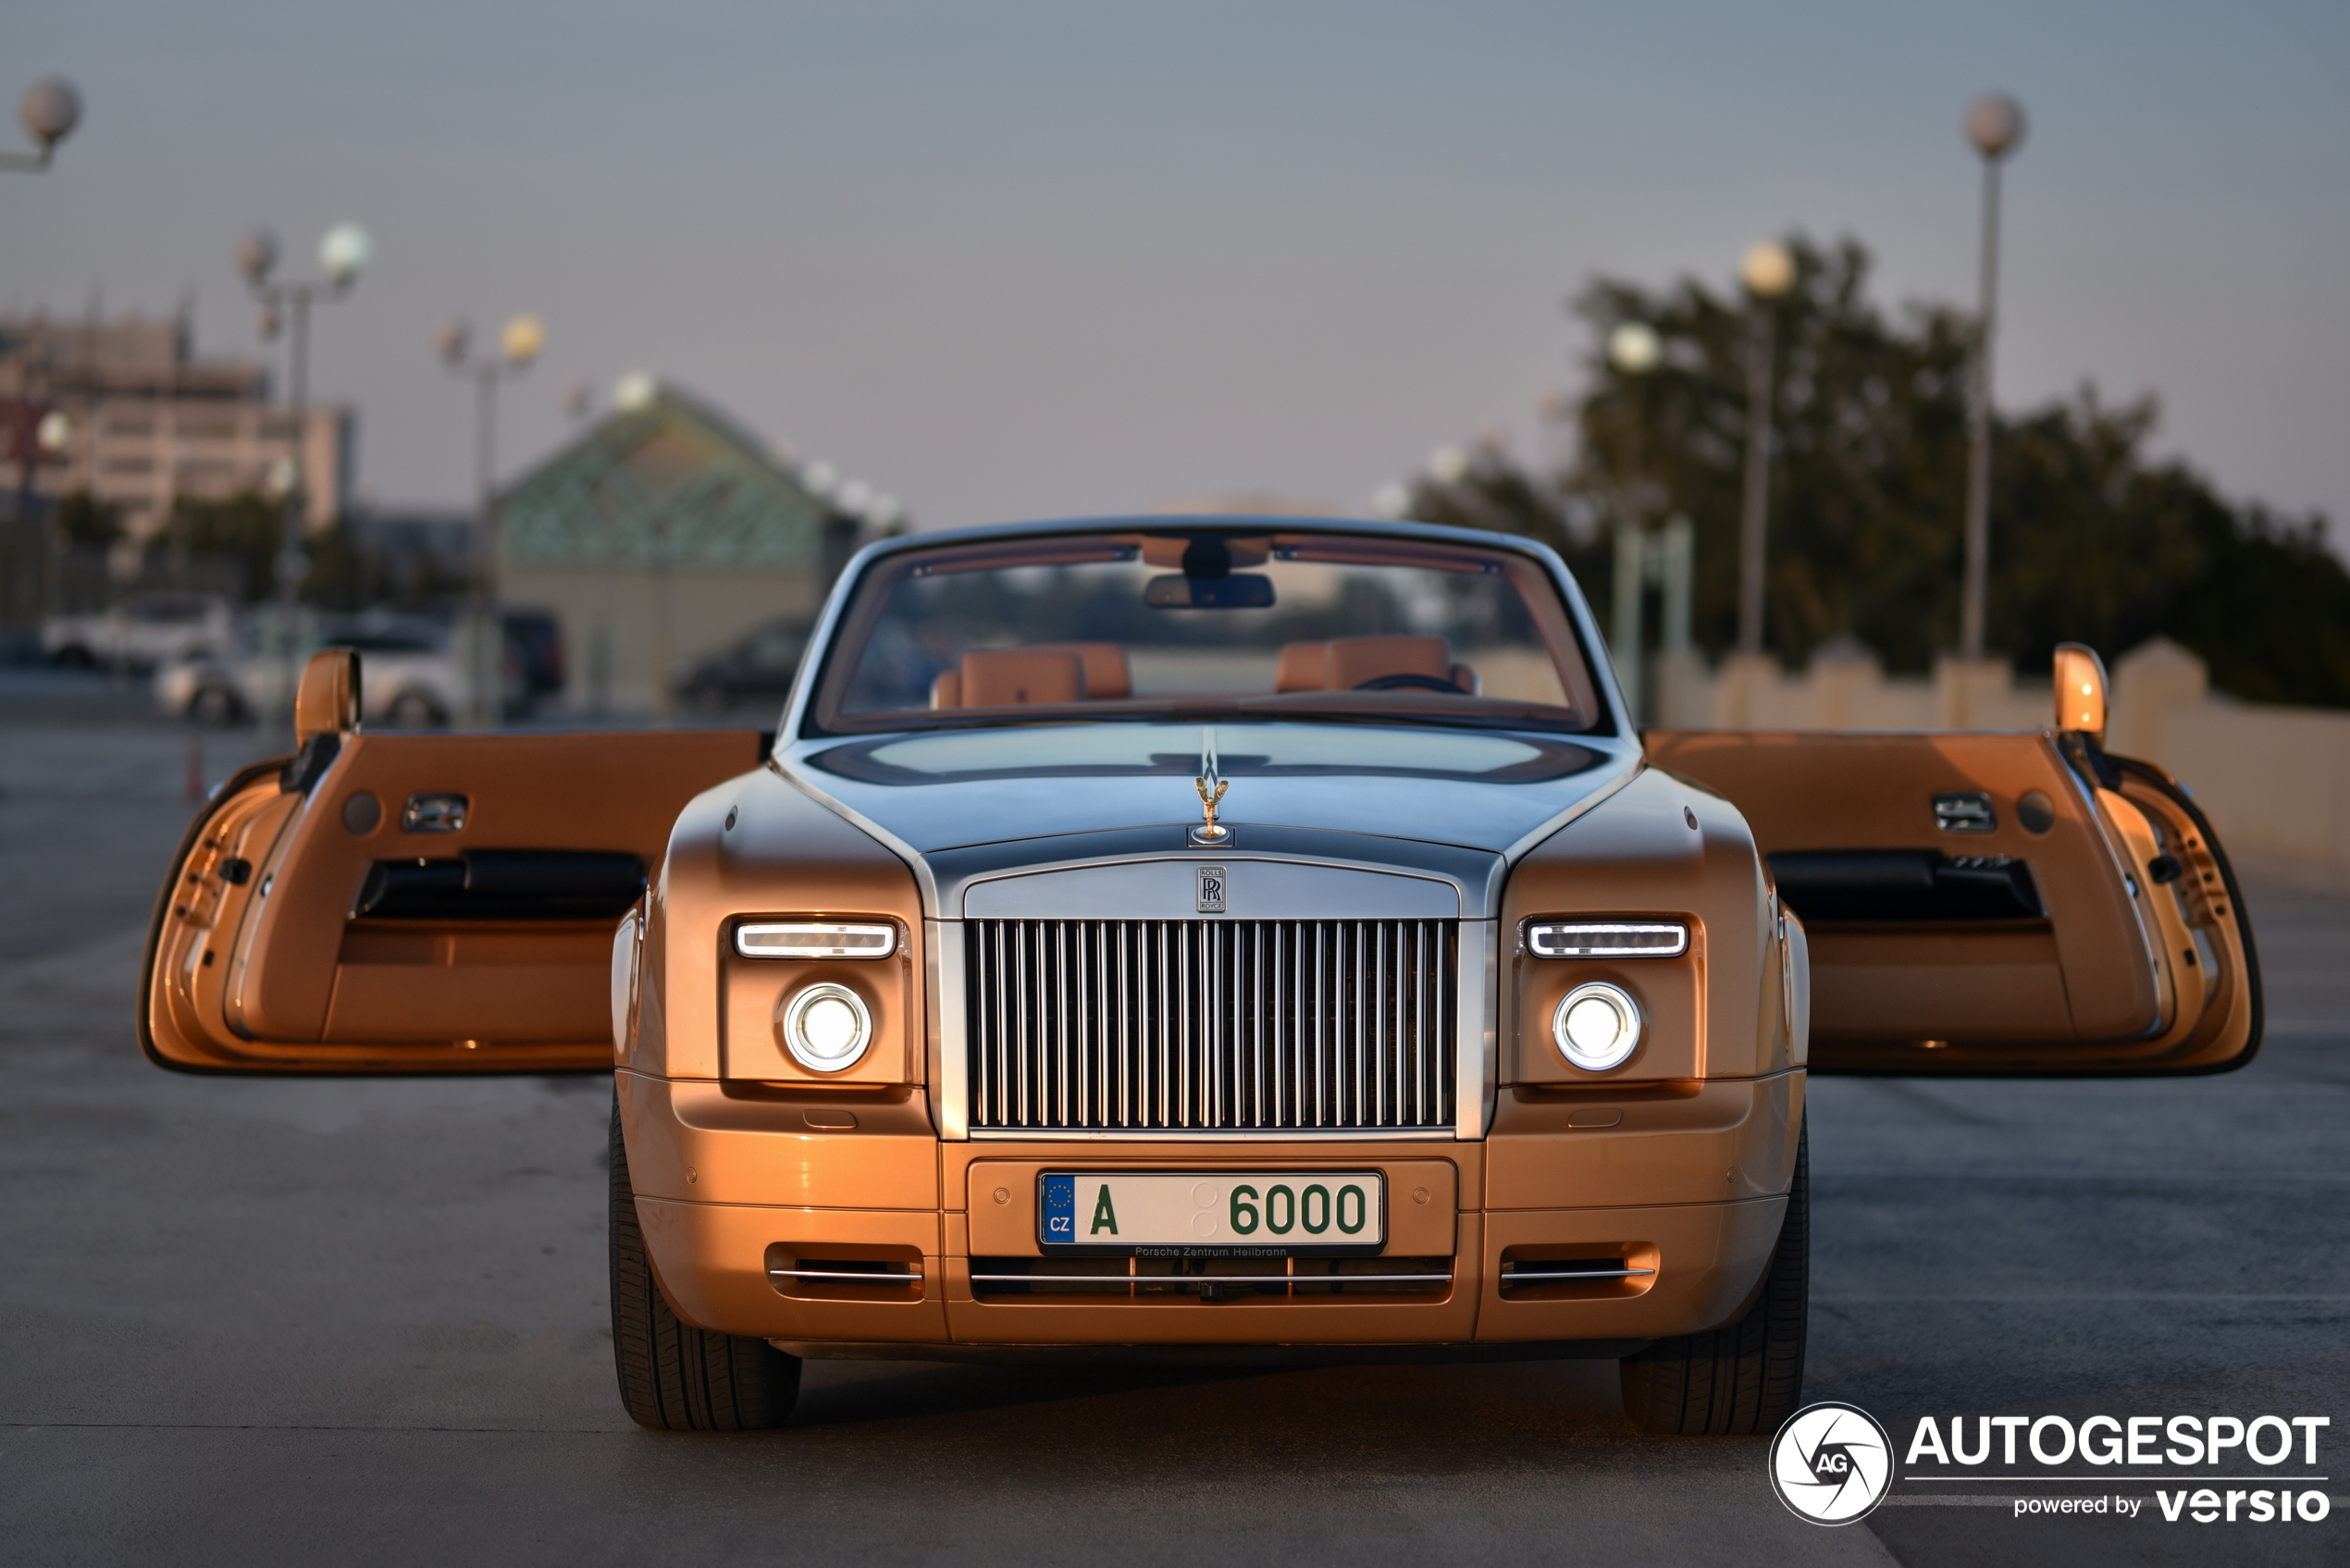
(1255, 750)
(1204, 621)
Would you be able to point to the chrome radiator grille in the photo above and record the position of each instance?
(1211, 1025)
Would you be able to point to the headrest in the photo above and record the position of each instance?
(1353, 661)
(1017, 677)
(1303, 667)
(1107, 677)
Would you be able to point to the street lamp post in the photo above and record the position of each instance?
(343, 255)
(50, 109)
(45, 441)
(518, 346)
(1633, 350)
(1995, 124)
(1768, 272)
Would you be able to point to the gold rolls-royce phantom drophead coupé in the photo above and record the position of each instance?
(1204, 938)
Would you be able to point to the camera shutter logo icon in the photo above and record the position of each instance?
(1831, 1464)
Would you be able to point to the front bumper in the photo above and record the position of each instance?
(732, 1184)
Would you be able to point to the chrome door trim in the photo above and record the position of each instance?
(2165, 996)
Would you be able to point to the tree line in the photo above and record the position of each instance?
(2093, 539)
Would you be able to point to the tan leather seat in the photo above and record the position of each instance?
(1107, 676)
(1344, 663)
(1017, 677)
(1353, 661)
(1301, 667)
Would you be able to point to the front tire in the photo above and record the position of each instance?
(1746, 1376)
(674, 1378)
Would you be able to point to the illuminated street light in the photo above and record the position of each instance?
(1634, 348)
(635, 391)
(1995, 124)
(519, 344)
(1768, 272)
(343, 253)
(1767, 269)
(50, 109)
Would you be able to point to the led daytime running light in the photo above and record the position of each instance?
(1607, 939)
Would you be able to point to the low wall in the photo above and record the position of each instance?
(2275, 780)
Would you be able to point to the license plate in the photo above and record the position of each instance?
(1219, 1214)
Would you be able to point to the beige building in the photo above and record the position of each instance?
(662, 535)
(151, 422)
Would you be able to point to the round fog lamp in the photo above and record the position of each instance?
(826, 1028)
(1596, 1026)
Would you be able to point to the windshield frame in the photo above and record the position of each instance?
(802, 721)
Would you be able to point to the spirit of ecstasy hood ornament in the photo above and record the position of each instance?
(1211, 788)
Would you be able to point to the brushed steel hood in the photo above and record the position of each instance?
(970, 804)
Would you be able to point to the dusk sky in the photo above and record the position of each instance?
(1008, 260)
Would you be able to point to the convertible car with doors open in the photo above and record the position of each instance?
(1204, 939)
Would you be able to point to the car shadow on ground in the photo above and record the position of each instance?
(1460, 1409)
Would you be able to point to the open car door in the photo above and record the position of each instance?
(1995, 903)
(414, 903)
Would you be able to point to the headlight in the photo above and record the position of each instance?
(826, 1028)
(1608, 939)
(813, 939)
(1596, 1026)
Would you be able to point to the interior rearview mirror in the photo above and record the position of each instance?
(327, 702)
(2080, 691)
(1242, 590)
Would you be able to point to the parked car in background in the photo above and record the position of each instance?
(413, 680)
(535, 638)
(143, 631)
(534, 643)
(757, 672)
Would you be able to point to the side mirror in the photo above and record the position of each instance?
(327, 702)
(2080, 691)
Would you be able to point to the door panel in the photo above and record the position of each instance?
(1991, 903)
(406, 903)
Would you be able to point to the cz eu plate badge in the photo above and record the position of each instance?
(1212, 1214)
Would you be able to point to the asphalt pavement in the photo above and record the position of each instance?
(256, 1321)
